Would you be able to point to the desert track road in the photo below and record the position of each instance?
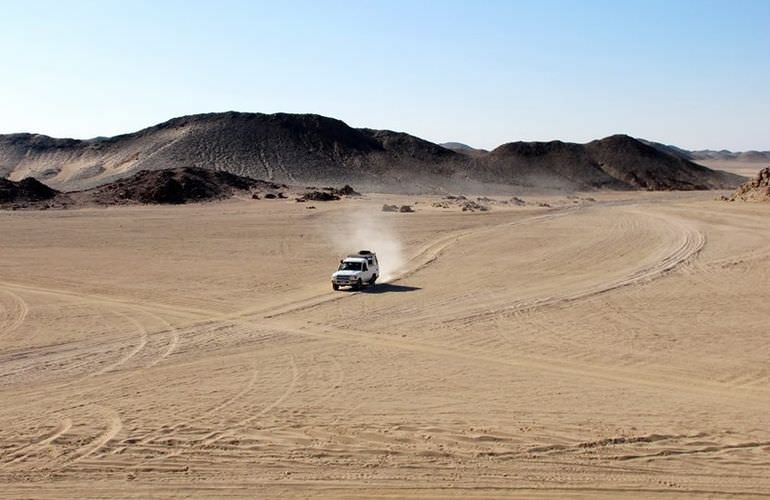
(589, 349)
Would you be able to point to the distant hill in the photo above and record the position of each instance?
(744, 163)
(459, 147)
(313, 149)
(616, 162)
(712, 155)
(745, 156)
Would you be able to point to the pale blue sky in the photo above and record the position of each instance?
(691, 73)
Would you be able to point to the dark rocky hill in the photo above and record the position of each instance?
(559, 164)
(25, 191)
(172, 186)
(638, 164)
(616, 162)
(312, 149)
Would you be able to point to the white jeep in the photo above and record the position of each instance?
(357, 271)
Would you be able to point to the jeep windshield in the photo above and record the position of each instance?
(350, 266)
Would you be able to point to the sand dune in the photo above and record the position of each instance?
(586, 349)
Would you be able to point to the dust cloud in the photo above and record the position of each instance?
(370, 231)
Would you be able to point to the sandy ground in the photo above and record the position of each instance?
(745, 168)
(589, 349)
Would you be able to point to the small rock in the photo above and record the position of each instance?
(319, 196)
(472, 206)
(347, 190)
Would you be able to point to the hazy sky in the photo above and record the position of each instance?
(692, 73)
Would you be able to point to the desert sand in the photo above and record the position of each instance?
(587, 349)
(748, 169)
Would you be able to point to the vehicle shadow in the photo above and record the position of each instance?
(389, 288)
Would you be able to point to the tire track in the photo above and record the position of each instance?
(26, 451)
(172, 334)
(21, 314)
(424, 257)
(427, 255)
(114, 426)
(691, 243)
(289, 390)
(143, 339)
(148, 438)
(215, 436)
(702, 275)
(562, 367)
(188, 312)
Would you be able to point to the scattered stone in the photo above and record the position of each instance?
(518, 201)
(406, 209)
(472, 206)
(347, 190)
(310, 207)
(173, 186)
(390, 208)
(270, 196)
(319, 196)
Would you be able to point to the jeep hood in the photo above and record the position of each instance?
(346, 273)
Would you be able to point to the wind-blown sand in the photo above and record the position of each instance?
(585, 350)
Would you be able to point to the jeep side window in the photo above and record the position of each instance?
(366, 268)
